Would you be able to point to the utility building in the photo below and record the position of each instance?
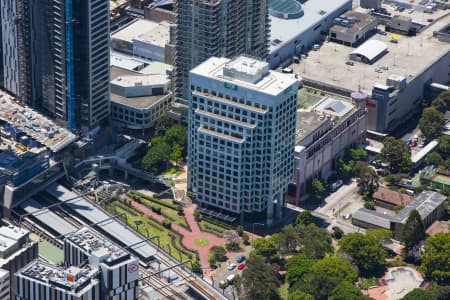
(241, 136)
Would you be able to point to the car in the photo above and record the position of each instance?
(378, 70)
(241, 266)
(430, 20)
(223, 284)
(240, 259)
(349, 62)
(230, 279)
(287, 70)
(382, 32)
(336, 185)
(394, 41)
(347, 216)
(231, 267)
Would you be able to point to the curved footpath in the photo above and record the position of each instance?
(189, 236)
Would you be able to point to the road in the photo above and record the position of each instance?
(345, 200)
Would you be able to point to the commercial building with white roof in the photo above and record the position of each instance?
(295, 27)
(143, 38)
(241, 136)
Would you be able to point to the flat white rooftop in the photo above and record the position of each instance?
(409, 58)
(146, 31)
(272, 83)
(284, 30)
(140, 80)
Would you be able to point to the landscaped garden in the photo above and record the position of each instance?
(169, 240)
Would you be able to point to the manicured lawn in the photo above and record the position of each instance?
(212, 228)
(169, 213)
(202, 242)
(149, 227)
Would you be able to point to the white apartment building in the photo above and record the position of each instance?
(241, 136)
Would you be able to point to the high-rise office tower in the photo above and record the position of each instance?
(207, 28)
(241, 136)
(55, 57)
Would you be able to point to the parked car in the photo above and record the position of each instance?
(231, 267)
(336, 185)
(223, 284)
(230, 279)
(394, 41)
(240, 259)
(349, 62)
(347, 216)
(241, 266)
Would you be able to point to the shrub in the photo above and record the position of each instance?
(240, 230)
(369, 205)
(246, 239)
(167, 224)
(156, 209)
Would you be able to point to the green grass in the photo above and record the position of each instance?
(169, 240)
(283, 290)
(442, 180)
(50, 252)
(174, 171)
(168, 213)
(211, 228)
(202, 242)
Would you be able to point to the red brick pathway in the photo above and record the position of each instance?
(189, 236)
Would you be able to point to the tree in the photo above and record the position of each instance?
(336, 267)
(176, 135)
(266, 248)
(162, 124)
(436, 258)
(299, 295)
(419, 294)
(324, 276)
(240, 230)
(380, 235)
(338, 233)
(296, 267)
(316, 242)
(369, 205)
(393, 178)
(406, 162)
(347, 291)
(246, 238)
(218, 252)
(442, 292)
(365, 250)
(357, 154)
(259, 280)
(287, 240)
(317, 188)
(368, 178)
(156, 158)
(304, 218)
(232, 239)
(435, 159)
(442, 102)
(447, 163)
(431, 122)
(394, 152)
(177, 154)
(444, 144)
(345, 170)
(413, 231)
